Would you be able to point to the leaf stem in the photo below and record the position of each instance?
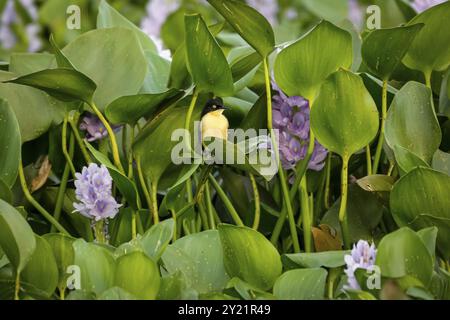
(154, 195)
(209, 208)
(35, 204)
(130, 154)
(112, 138)
(64, 147)
(306, 215)
(143, 184)
(133, 224)
(188, 119)
(80, 142)
(369, 160)
(257, 201)
(377, 157)
(226, 201)
(427, 76)
(63, 185)
(99, 230)
(328, 180)
(284, 187)
(17, 286)
(343, 206)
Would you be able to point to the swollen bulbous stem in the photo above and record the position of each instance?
(343, 205)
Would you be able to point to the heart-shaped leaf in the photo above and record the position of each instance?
(301, 68)
(5, 192)
(199, 258)
(9, 144)
(402, 253)
(138, 274)
(95, 54)
(384, 49)
(430, 50)
(344, 117)
(63, 84)
(329, 259)
(407, 160)
(17, 240)
(207, 63)
(129, 109)
(441, 162)
(420, 200)
(412, 123)
(97, 266)
(301, 284)
(157, 238)
(249, 256)
(42, 271)
(249, 23)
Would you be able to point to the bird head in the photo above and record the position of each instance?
(213, 105)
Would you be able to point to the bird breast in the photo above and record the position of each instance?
(215, 124)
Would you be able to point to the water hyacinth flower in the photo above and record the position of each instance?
(362, 256)
(94, 191)
(95, 129)
(291, 119)
(422, 5)
(268, 8)
(356, 14)
(157, 13)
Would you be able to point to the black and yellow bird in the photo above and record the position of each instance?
(213, 123)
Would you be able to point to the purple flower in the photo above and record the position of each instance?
(157, 13)
(362, 256)
(94, 127)
(268, 8)
(422, 5)
(291, 119)
(355, 14)
(93, 190)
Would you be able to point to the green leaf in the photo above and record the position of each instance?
(384, 49)
(138, 274)
(327, 259)
(412, 123)
(334, 10)
(5, 192)
(64, 254)
(35, 111)
(402, 253)
(420, 200)
(249, 23)
(206, 61)
(344, 117)
(126, 187)
(157, 75)
(301, 284)
(376, 183)
(61, 59)
(199, 258)
(249, 256)
(63, 84)
(248, 291)
(441, 162)
(157, 238)
(430, 50)
(42, 271)
(96, 54)
(97, 266)
(428, 236)
(301, 68)
(407, 160)
(108, 17)
(116, 294)
(129, 109)
(9, 144)
(16, 237)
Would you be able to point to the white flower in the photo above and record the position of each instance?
(362, 256)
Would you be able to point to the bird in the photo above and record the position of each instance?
(214, 124)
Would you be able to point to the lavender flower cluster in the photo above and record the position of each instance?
(93, 190)
(291, 119)
(9, 17)
(95, 129)
(362, 256)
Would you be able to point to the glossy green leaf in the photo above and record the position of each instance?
(179, 76)
(441, 162)
(9, 144)
(138, 274)
(116, 294)
(249, 23)
(344, 117)
(64, 254)
(430, 50)
(420, 200)
(301, 68)
(63, 84)
(61, 59)
(402, 253)
(157, 238)
(376, 183)
(5, 192)
(301, 284)
(249, 256)
(428, 237)
(411, 122)
(97, 266)
(248, 291)
(407, 160)
(16, 237)
(95, 54)
(42, 271)
(123, 183)
(108, 17)
(384, 49)
(199, 258)
(129, 109)
(207, 63)
(328, 259)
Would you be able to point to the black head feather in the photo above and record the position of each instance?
(213, 105)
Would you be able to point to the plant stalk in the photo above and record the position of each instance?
(377, 157)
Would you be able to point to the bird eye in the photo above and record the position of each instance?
(214, 106)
